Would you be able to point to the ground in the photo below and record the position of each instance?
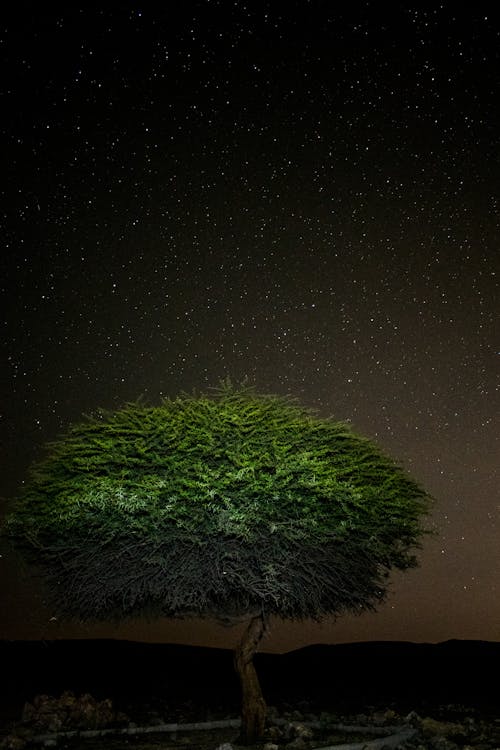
(438, 727)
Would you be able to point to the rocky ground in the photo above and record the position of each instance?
(83, 723)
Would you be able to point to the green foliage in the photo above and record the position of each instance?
(219, 505)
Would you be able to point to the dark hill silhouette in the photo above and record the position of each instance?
(328, 676)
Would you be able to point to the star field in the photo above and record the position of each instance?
(308, 199)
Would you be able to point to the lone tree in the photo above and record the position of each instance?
(231, 505)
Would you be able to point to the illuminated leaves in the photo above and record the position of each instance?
(251, 499)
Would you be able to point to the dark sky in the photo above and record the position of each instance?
(301, 194)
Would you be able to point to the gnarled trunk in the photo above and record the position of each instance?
(253, 705)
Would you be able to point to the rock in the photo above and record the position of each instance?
(299, 743)
(306, 733)
(270, 746)
(274, 733)
(225, 746)
(295, 730)
(432, 727)
(48, 714)
(13, 742)
(413, 719)
(442, 743)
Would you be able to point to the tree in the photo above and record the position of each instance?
(229, 505)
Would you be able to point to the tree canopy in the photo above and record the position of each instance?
(222, 504)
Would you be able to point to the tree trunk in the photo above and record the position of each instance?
(253, 705)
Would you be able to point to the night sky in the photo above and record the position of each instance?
(305, 194)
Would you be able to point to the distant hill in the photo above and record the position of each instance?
(364, 673)
(450, 672)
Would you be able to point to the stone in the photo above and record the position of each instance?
(413, 719)
(301, 730)
(299, 743)
(432, 727)
(442, 743)
(274, 733)
(13, 742)
(51, 715)
(296, 729)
